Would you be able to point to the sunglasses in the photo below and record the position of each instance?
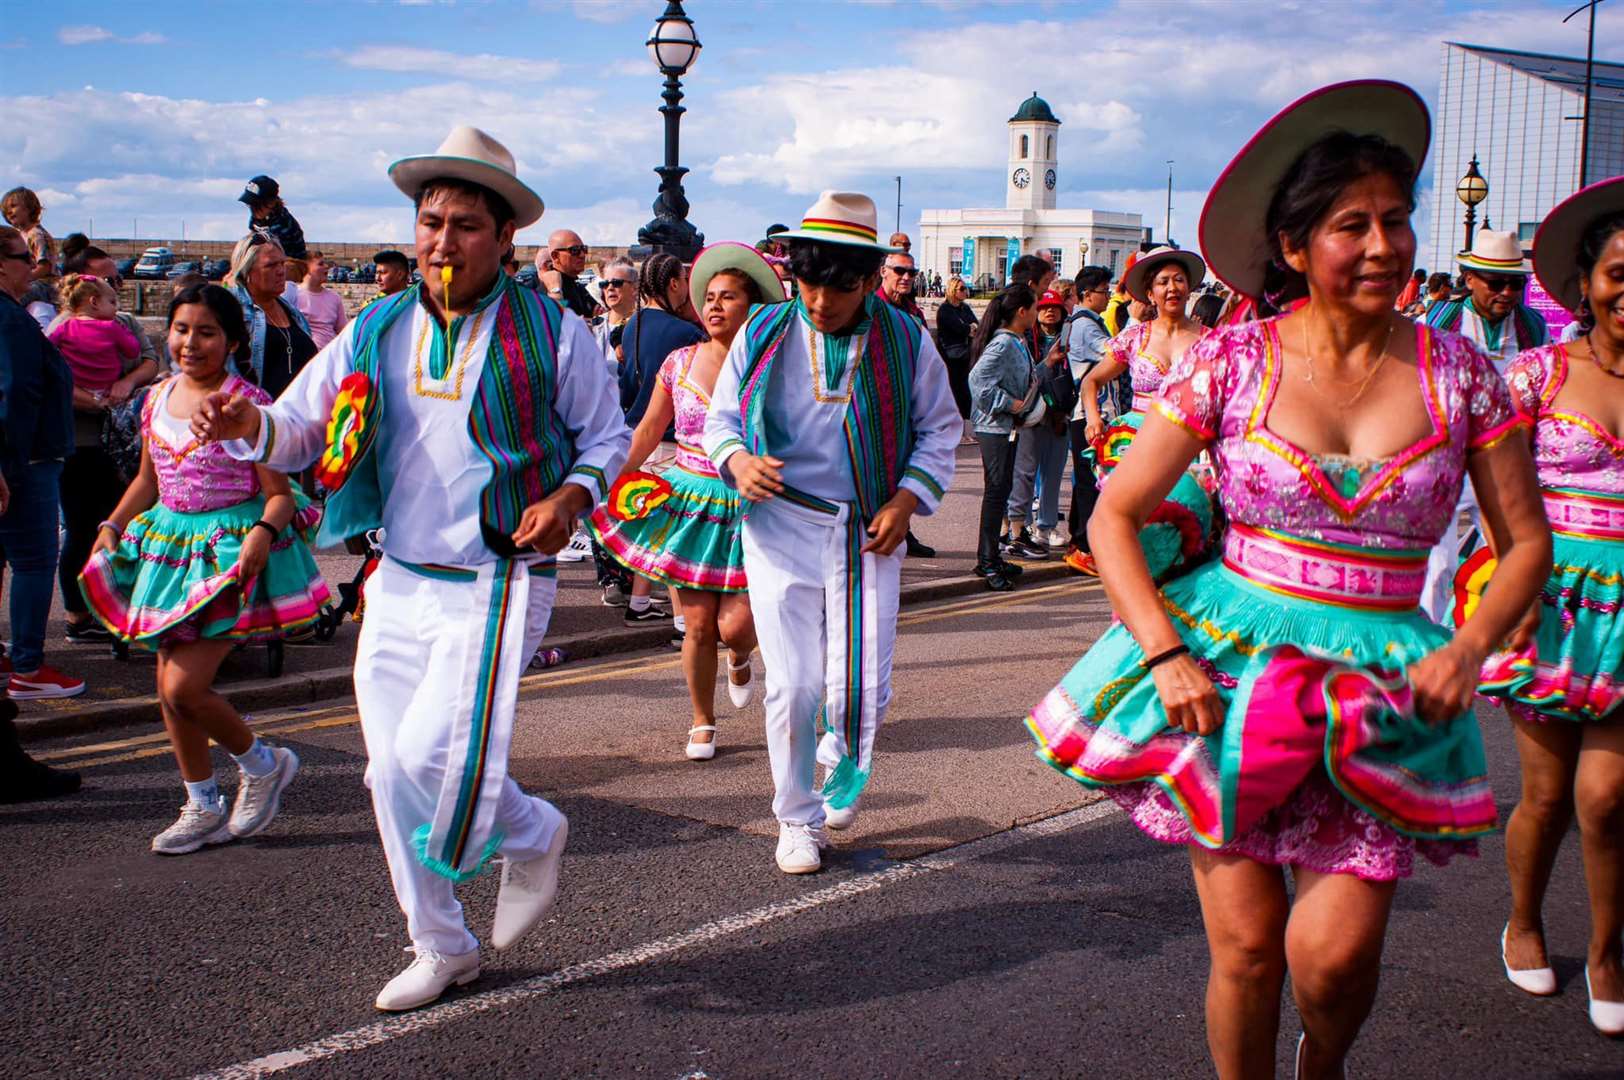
(616, 283)
(903, 271)
(20, 256)
(1496, 283)
(577, 250)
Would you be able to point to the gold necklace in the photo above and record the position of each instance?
(462, 367)
(1595, 357)
(1364, 384)
(829, 396)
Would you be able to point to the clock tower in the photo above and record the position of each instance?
(1034, 162)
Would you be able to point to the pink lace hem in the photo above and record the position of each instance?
(1317, 829)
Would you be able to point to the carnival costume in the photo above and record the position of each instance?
(854, 418)
(1574, 667)
(1305, 627)
(442, 436)
(174, 577)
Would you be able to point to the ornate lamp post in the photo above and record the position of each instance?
(674, 48)
(1471, 190)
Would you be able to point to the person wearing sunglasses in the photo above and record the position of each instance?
(559, 267)
(1493, 316)
(618, 294)
(897, 280)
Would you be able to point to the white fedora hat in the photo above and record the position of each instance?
(732, 255)
(1495, 252)
(470, 154)
(1556, 244)
(841, 217)
(1137, 280)
(1232, 230)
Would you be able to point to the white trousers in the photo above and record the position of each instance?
(421, 666)
(1438, 594)
(795, 560)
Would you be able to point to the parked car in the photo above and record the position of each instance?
(367, 275)
(155, 262)
(339, 275)
(216, 269)
(181, 269)
(126, 268)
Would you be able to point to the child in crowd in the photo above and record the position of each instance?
(93, 342)
(205, 552)
(23, 211)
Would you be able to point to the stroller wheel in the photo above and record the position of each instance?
(275, 658)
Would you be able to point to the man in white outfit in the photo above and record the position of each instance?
(832, 414)
(473, 422)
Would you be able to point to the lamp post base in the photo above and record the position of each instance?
(669, 235)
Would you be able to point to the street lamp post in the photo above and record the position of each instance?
(674, 48)
(1590, 64)
(1167, 226)
(1471, 190)
(899, 204)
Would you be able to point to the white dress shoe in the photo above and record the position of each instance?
(1606, 1016)
(428, 976)
(844, 818)
(739, 695)
(1541, 982)
(701, 751)
(798, 847)
(527, 891)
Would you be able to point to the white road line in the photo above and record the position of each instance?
(406, 1024)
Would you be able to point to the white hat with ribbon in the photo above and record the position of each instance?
(1495, 252)
(470, 154)
(841, 217)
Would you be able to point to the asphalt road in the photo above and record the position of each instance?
(986, 917)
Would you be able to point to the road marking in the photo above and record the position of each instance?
(140, 747)
(462, 1008)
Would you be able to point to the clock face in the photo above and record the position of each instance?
(1049, 179)
(1022, 178)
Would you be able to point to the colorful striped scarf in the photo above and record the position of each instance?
(879, 420)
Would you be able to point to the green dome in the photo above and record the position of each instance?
(1035, 108)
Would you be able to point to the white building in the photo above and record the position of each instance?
(980, 245)
(1517, 111)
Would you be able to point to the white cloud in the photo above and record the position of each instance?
(439, 64)
(92, 35)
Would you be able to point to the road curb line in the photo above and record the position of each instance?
(310, 687)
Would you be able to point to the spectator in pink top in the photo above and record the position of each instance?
(323, 307)
(96, 345)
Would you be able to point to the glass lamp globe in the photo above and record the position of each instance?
(672, 45)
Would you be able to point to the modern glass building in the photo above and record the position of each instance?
(1519, 113)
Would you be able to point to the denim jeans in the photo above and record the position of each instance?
(28, 535)
(1040, 463)
(997, 467)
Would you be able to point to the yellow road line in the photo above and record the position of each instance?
(145, 746)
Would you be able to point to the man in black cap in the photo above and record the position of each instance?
(270, 218)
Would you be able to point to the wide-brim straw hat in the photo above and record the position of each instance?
(1137, 280)
(470, 154)
(732, 255)
(1556, 243)
(1232, 230)
(1495, 252)
(841, 217)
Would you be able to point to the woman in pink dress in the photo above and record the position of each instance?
(1289, 705)
(1565, 688)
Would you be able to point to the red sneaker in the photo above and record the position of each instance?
(1082, 562)
(47, 682)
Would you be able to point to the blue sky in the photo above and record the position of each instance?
(156, 113)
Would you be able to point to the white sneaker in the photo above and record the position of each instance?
(1060, 537)
(527, 891)
(426, 978)
(843, 818)
(798, 847)
(259, 797)
(739, 694)
(197, 826)
(579, 549)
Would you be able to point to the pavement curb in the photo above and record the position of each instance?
(311, 687)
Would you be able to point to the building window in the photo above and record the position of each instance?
(1025, 153)
(955, 260)
(1525, 233)
(1049, 153)
(1055, 257)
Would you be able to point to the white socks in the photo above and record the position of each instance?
(257, 760)
(204, 793)
(638, 603)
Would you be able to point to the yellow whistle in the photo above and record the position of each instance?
(445, 275)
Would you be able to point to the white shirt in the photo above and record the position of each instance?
(805, 419)
(429, 470)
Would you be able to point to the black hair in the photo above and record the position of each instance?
(1000, 310)
(1090, 278)
(78, 253)
(839, 265)
(1591, 245)
(655, 278)
(1029, 270)
(1439, 280)
(227, 311)
(1209, 307)
(1308, 190)
(752, 288)
(1420, 273)
(391, 258)
(499, 208)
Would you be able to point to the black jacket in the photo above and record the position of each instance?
(955, 326)
(36, 392)
(284, 228)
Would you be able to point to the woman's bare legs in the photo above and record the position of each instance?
(1549, 754)
(193, 712)
(1334, 952)
(1245, 910)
